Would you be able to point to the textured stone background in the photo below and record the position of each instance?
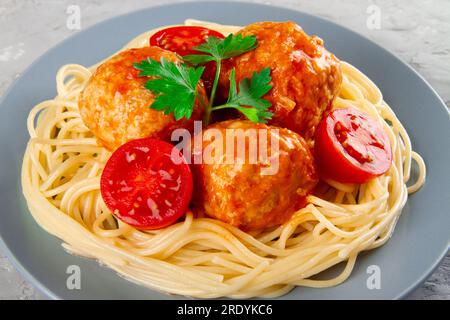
(417, 31)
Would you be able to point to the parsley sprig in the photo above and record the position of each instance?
(175, 85)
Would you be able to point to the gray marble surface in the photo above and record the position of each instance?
(417, 31)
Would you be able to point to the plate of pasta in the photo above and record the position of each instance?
(199, 153)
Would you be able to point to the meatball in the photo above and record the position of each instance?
(305, 77)
(115, 105)
(252, 193)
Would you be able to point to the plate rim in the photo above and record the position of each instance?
(28, 276)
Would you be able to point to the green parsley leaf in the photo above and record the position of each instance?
(236, 45)
(248, 100)
(219, 49)
(212, 45)
(175, 85)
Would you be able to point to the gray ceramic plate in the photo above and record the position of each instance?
(421, 238)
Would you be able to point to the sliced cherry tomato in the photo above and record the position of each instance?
(351, 147)
(182, 39)
(147, 184)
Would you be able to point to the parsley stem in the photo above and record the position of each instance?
(213, 93)
(222, 106)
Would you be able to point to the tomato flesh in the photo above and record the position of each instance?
(182, 39)
(351, 147)
(147, 184)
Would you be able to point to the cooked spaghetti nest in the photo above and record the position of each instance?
(203, 257)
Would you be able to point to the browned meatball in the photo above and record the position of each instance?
(114, 105)
(257, 193)
(305, 77)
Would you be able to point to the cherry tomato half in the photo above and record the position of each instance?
(182, 39)
(351, 147)
(147, 184)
